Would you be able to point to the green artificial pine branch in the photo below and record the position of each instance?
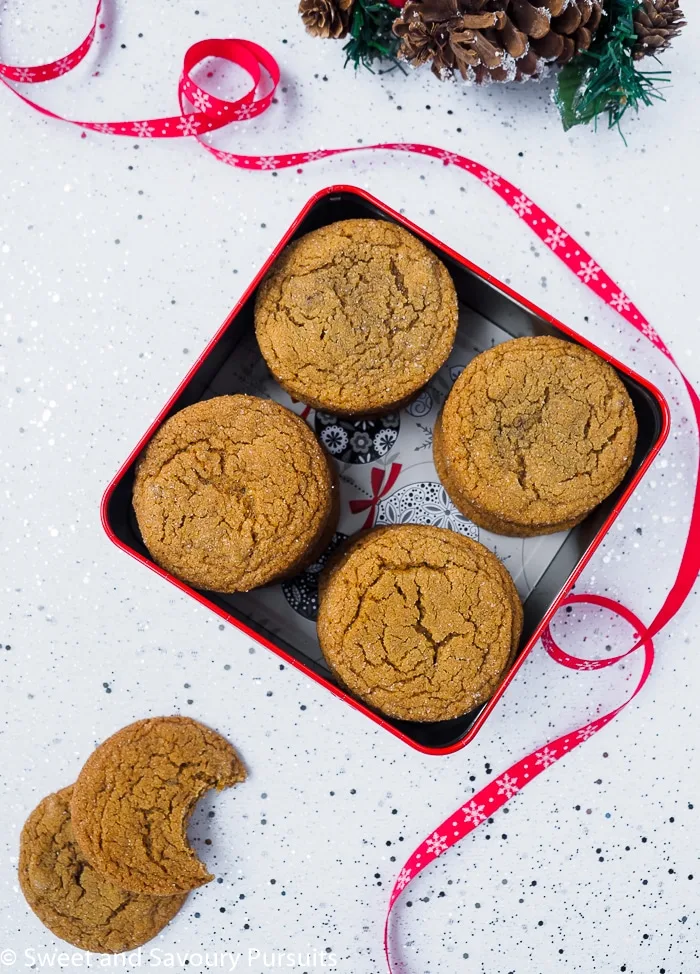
(371, 36)
(605, 79)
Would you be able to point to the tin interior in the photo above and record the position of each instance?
(477, 295)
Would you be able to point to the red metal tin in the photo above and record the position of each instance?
(514, 314)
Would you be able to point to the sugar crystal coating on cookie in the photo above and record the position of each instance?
(234, 492)
(73, 899)
(420, 622)
(133, 799)
(356, 317)
(534, 434)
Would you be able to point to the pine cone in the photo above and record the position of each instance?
(495, 40)
(326, 18)
(425, 33)
(656, 23)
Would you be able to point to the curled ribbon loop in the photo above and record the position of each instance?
(210, 113)
(47, 72)
(498, 792)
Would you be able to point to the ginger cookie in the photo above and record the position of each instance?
(535, 433)
(133, 799)
(74, 900)
(419, 622)
(235, 492)
(356, 317)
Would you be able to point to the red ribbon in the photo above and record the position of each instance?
(209, 114)
(487, 801)
(376, 479)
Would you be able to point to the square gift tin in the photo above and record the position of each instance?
(386, 471)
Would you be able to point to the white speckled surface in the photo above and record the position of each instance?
(117, 263)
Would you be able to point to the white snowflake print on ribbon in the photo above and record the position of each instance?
(201, 101)
(267, 162)
(473, 813)
(649, 332)
(555, 237)
(187, 125)
(508, 786)
(103, 127)
(522, 205)
(620, 301)
(545, 757)
(490, 179)
(313, 156)
(403, 879)
(25, 74)
(245, 111)
(588, 271)
(436, 844)
(587, 666)
(448, 157)
(585, 733)
(144, 130)
(65, 64)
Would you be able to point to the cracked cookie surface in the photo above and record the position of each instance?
(356, 317)
(535, 433)
(133, 799)
(234, 492)
(419, 622)
(71, 898)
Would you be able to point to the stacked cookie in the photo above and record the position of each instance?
(105, 863)
(356, 317)
(535, 433)
(236, 492)
(419, 622)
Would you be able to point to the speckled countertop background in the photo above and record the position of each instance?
(117, 262)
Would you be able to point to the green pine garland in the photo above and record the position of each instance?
(605, 79)
(371, 36)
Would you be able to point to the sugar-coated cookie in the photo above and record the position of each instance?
(133, 799)
(535, 433)
(72, 898)
(235, 492)
(354, 318)
(419, 622)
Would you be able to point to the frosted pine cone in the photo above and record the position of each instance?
(656, 23)
(326, 18)
(495, 40)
